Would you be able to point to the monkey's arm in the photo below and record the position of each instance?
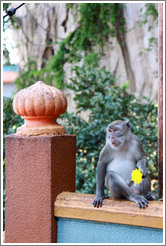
(101, 173)
(141, 160)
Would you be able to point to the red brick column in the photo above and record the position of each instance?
(160, 101)
(38, 168)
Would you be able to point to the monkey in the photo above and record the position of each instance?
(121, 154)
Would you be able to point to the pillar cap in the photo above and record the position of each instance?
(40, 105)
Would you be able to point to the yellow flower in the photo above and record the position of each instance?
(136, 176)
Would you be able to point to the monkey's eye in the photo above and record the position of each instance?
(112, 130)
(115, 129)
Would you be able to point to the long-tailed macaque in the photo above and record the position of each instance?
(119, 157)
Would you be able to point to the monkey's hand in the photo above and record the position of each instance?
(98, 200)
(142, 166)
(144, 172)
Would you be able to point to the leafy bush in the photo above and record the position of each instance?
(95, 91)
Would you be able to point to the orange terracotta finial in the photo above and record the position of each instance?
(40, 105)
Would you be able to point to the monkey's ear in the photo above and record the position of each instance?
(128, 124)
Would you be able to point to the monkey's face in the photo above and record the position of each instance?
(117, 134)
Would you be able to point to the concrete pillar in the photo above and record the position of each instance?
(40, 163)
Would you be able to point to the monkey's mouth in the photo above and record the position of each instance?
(114, 143)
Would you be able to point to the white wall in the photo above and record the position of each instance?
(8, 89)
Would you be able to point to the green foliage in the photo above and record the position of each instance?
(27, 76)
(96, 21)
(153, 42)
(6, 55)
(92, 59)
(30, 74)
(8, 20)
(150, 10)
(96, 93)
(5, 7)
(10, 120)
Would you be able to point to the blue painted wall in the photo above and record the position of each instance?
(10, 68)
(81, 231)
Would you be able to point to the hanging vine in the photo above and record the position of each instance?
(96, 22)
(150, 11)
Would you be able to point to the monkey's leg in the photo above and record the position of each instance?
(119, 188)
(146, 184)
(143, 188)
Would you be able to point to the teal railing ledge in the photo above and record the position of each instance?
(117, 221)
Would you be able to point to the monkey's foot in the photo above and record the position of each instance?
(149, 196)
(98, 201)
(140, 200)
